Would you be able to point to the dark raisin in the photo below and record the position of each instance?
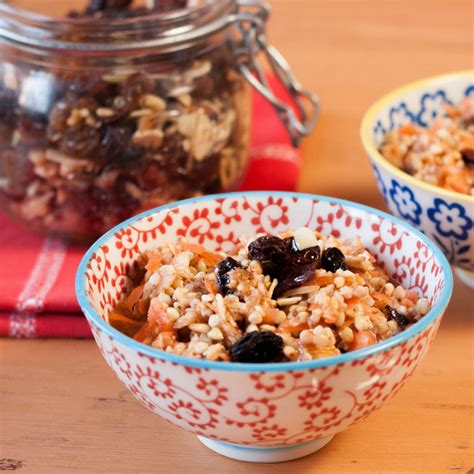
(309, 256)
(100, 5)
(184, 334)
(152, 177)
(281, 259)
(135, 86)
(292, 277)
(163, 6)
(116, 141)
(122, 107)
(222, 270)
(121, 9)
(96, 6)
(78, 139)
(272, 253)
(174, 158)
(77, 85)
(333, 259)
(32, 132)
(256, 347)
(468, 121)
(401, 320)
(58, 119)
(242, 324)
(15, 166)
(7, 105)
(120, 14)
(204, 86)
(269, 247)
(81, 141)
(204, 170)
(468, 155)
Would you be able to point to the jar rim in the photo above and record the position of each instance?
(173, 29)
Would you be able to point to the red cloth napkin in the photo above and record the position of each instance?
(37, 274)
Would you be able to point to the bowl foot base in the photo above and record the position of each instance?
(466, 276)
(262, 454)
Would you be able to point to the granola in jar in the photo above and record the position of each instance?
(88, 140)
(294, 297)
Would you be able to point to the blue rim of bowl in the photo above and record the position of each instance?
(435, 312)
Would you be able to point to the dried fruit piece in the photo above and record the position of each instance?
(106, 8)
(222, 270)
(468, 155)
(116, 143)
(255, 347)
(269, 247)
(333, 259)
(309, 256)
(163, 6)
(73, 128)
(135, 86)
(7, 105)
(281, 259)
(292, 278)
(401, 320)
(272, 253)
(99, 5)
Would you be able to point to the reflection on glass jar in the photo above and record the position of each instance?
(103, 118)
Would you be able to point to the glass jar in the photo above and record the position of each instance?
(102, 118)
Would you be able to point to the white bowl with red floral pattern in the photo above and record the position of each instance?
(263, 412)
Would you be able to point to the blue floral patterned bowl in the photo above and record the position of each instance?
(445, 216)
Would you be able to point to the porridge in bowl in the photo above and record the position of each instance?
(441, 154)
(294, 297)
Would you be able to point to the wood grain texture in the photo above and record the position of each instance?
(63, 411)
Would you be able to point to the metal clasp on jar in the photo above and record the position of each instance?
(250, 20)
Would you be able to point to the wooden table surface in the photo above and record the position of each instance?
(62, 409)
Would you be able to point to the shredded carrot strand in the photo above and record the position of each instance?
(123, 323)
(291, 327)
(130, 301)
(408, 129)
(144, 333)
(154, 263)
(210, 257)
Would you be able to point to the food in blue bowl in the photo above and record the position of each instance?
(420, 140)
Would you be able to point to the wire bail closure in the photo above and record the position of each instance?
(251, 40)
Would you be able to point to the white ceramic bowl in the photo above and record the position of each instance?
(445, 216)
(263, 412)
